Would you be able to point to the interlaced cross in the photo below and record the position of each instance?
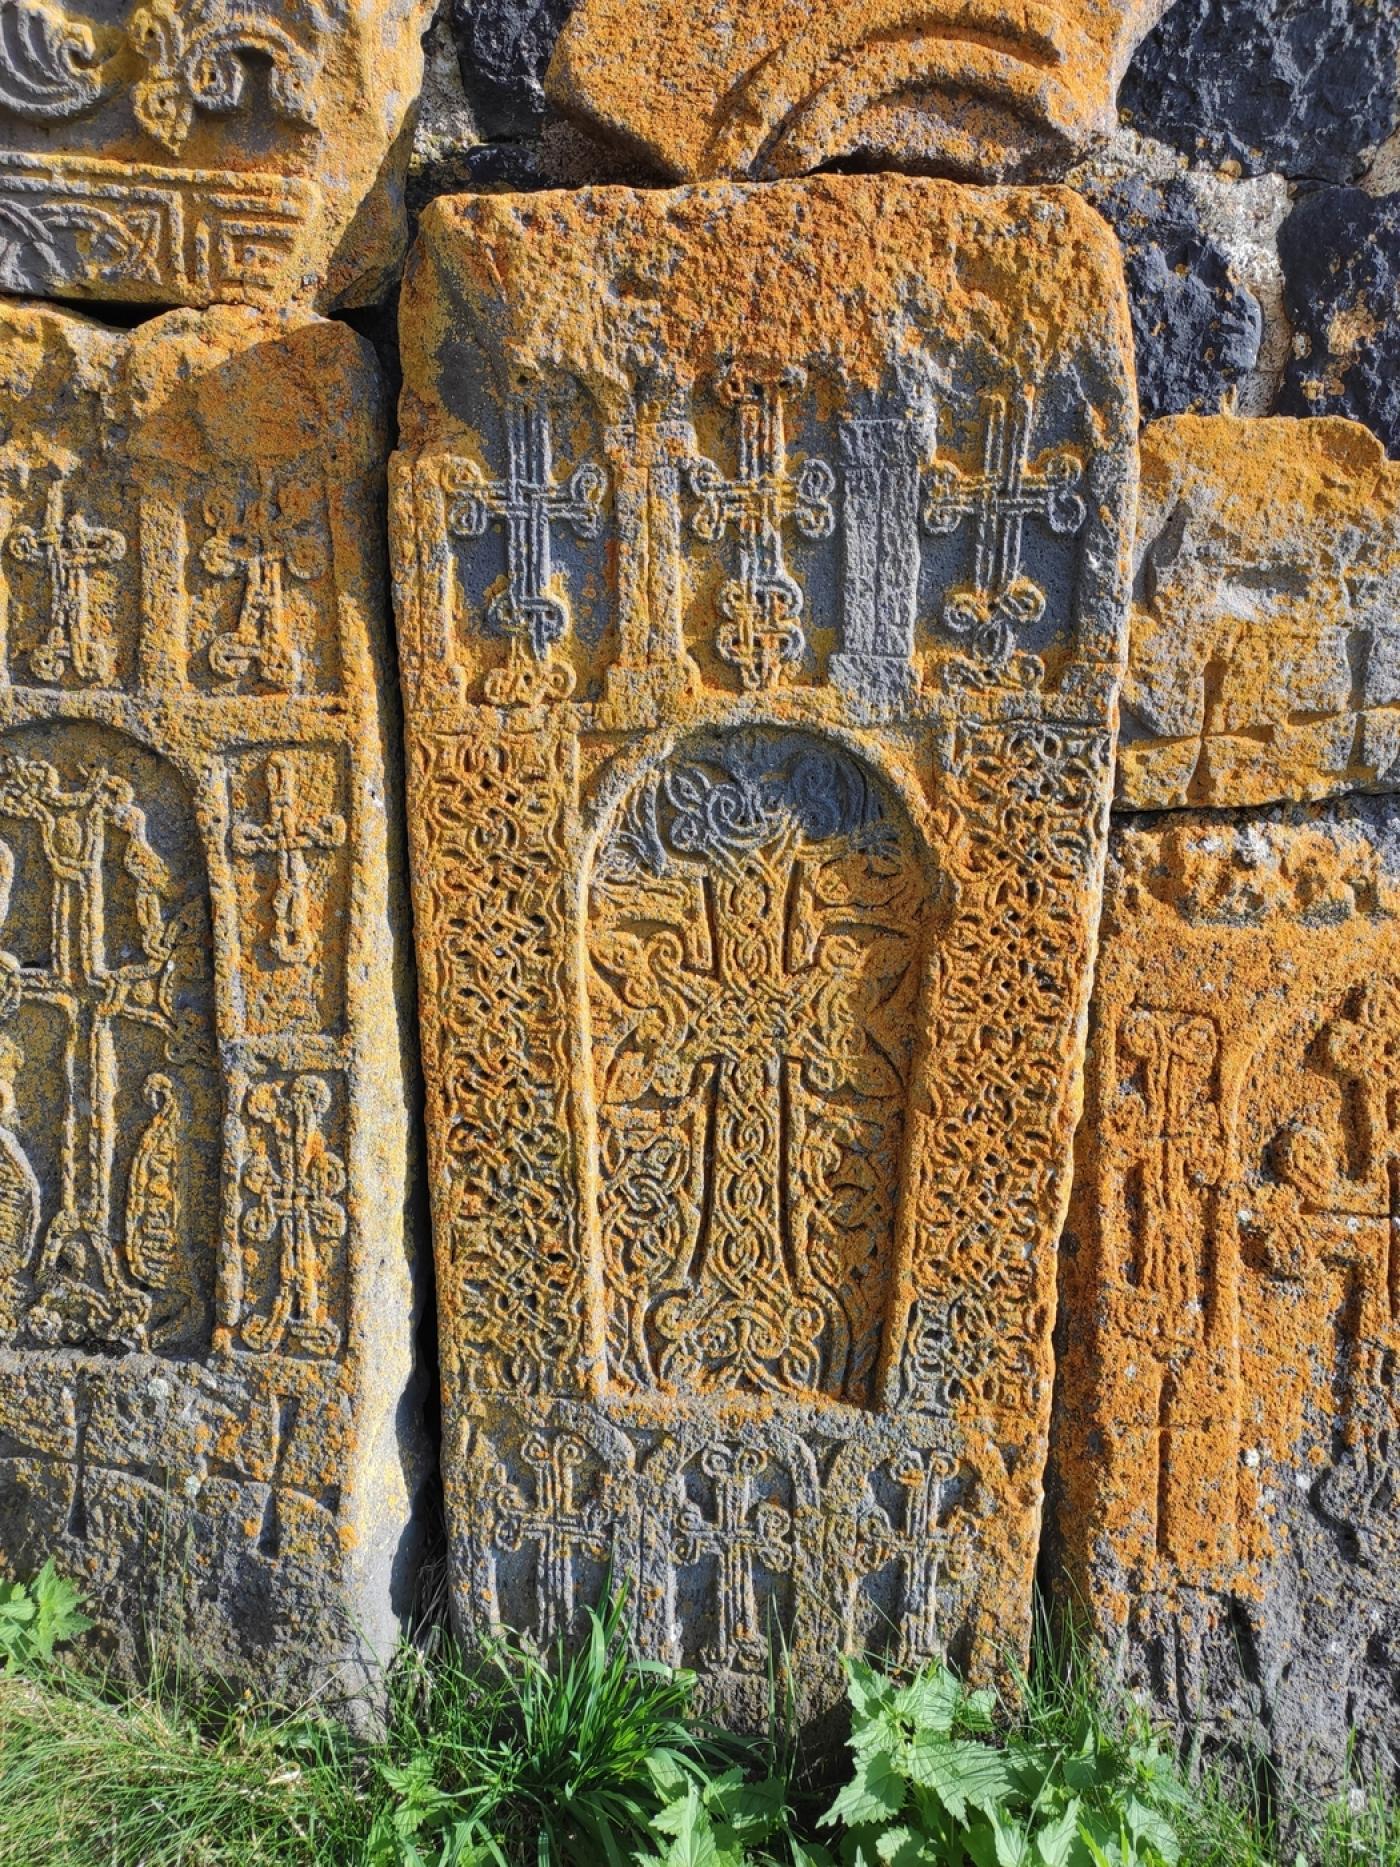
(1174, 1132)
(560, 1526)
(1366, 1051)
(530, 609)
(93, 997)
(70, 549)
(290, 837)
(762, 607)
(265, 541)
(297, 1184)
(915, 1544)
(746, 1533)
(1001, 600)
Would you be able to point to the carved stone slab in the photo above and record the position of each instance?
(205, 1308)
(1229, 1406)
(761, 559)
(1264, 654)
(199, 152)
(994, 90)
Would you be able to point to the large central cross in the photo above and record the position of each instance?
(530, 610)
(561, 1527)
(762, 607)
(1001, 600)
(94, 998)
(289, 836)
(70, 550)
(745, 1532)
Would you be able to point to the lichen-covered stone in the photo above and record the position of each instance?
(990, 89)
(762, 559)
(205, 1307)
(195, 152)
(1341, 259)
(1196, 329)
(1264, 648)
(1227, 1452)
(1304, 88)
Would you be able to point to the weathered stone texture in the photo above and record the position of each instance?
(990, 89)
(189, 152)
(1302, 87)
(205, 1307)
(1196, 328)
(1341, 259)
(504, 47)
(762, 567)
(1227, 1413)
(1264, 656)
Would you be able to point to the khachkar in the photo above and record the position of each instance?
(198, 152)
(1228, 1414)
(205, 1311)
(761, 559)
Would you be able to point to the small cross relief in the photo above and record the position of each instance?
(292, 837)
(295, 1185)
(761, 633)
(267, 539)
(69, 548)
(1001, 601)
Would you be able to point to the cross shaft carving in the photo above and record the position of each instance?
(265, 542)
(70, 549)
(762, 606)
(1001, 600)
(290, 837)
(297, 1183)
(561, 1527)
(745, 1533)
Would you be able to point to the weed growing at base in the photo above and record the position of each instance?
(595, 1759)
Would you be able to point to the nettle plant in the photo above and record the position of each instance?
(935, 1784)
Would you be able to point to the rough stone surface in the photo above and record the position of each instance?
(1196, 329)
(206, 1313)
(759, 768)
(1264, 657)
(991, 89)
(191, 152)
(1341, 260)
(1227, 1450)
(1302, 87)
(504, 46)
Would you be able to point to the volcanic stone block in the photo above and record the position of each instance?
(504, 47)
(1340, 250)
(762, 560)
(1303, 88)
(989, 89)
(205, 1306)
(1228, 1415)
(194, 152)
(1264, 648)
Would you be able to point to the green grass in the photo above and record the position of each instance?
(595, 1760)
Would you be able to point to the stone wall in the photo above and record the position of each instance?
(895, 552)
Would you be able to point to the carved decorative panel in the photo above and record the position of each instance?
(761, 560)
(197, 152)
(205, 1315)
(1228, 1411)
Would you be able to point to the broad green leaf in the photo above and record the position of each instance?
(1055, 1840)
(930, 1700)
(961, 1773)
(876, 1790)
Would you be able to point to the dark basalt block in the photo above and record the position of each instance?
(503, 47)
(1298, 86)
(1341, 259)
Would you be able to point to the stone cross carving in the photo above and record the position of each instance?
(290, 837)
(283, 1411)
(914, 1543)
(80, 1283)
(297, 1183)
(762, 606)
(1366, 1051)
(531, 610)
(70, 549)
(744, 1534)
(1175, 1132)
(561, 1527)
(265, 542)
(1001, 600)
